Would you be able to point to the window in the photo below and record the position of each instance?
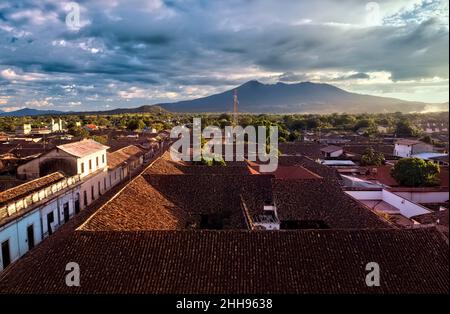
(104, 183)
(85, 198)
(6, 258)
(66, 212)
(30, 236)
(90, 164)
(103, 158)
(96, 161)
(82, 167)
(77, 203)
(92, 193)
(98, 183)
(50, 220)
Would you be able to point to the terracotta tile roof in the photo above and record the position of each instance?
(167, 202)
(311, 150)
(224, 262)
(322, 200)
(29, 187)
(309, 164)
(125, 154)
(408, 142)
(170, 202)
(82, 148)
(331, 149)
(24, 149)
(165, 165)
(287, 172)
(439, 217)
(359, 149)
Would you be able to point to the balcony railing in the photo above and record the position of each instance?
(37, 196)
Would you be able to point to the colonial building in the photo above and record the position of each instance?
(34, 210)
(85, 158)
(123, 163)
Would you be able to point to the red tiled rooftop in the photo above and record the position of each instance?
(126, 154)
(331, 149)
(408, 142)
(237, 262)
(29, 187)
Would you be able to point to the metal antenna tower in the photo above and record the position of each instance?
(235, 108)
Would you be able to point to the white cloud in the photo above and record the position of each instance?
(11, 75)
(13, 108)
(43, 103)
(36, 16)
(141, 93)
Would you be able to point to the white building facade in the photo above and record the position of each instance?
(408, 148)
(35, 214)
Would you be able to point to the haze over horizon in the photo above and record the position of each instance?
(126, 54)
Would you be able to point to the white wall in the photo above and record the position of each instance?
(44, 211)
(16, 233)
(337, 153)
(425, 197)
(30, 170)
(407, 208)
(22, 225)
(366, 195)
(9, 232)
(115, 176)
(93, 181)
(102, 162)
(402, 150)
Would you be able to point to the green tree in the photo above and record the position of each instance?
(364, 123)
(415, 172)
(427, 139)
(78, 132)
(135, 124)
(294, 136)
(405, 129)
(372, 158)
(102, 139)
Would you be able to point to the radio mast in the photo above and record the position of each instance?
(235, 108)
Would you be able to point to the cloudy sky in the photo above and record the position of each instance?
(129, 53)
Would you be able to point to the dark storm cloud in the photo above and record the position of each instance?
(355, 76)
(163, 45)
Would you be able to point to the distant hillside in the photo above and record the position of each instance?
(141, 109)
(255, 97)
(36, 112)
(29, 112)
(305, 97)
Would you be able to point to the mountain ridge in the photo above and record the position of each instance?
(278, 98)
(304, 97)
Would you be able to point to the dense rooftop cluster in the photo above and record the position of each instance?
(180, 227)
(172, 195)
(309, 261)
